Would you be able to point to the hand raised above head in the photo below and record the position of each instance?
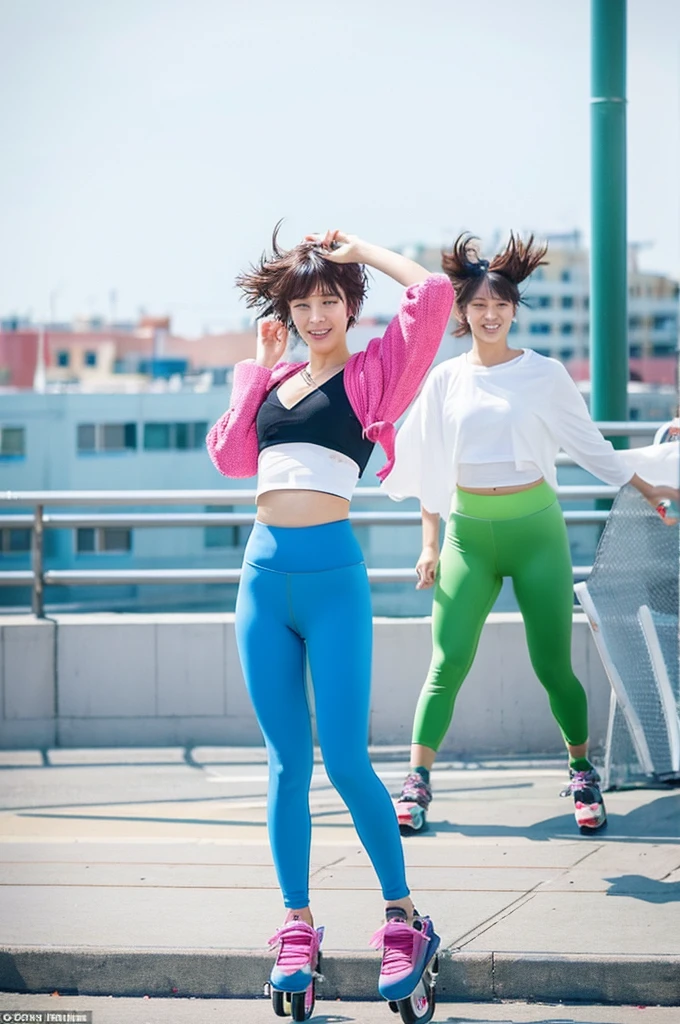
(272, 338)
(339, 247)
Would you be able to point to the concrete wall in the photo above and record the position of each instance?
(131, 680)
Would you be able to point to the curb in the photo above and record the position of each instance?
(235, 974)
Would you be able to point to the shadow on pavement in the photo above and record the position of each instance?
(639, 887)
(656, 822)
(507, 1020)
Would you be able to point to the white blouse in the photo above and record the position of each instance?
(525, 410)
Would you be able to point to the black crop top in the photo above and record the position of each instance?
(324, 417)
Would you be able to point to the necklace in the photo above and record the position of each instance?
(311, 381)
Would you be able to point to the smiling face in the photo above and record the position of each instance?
(489, 316)
(321, 320)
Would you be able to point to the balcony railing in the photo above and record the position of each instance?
(37, 577)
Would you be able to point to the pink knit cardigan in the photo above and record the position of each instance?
(380, 381)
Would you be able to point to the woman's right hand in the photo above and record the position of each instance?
(426, 568)
(339, 247)
(272, 338)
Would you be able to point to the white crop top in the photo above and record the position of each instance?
(487, 455)
(298, 465)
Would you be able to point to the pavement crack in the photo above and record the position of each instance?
(327, 867)
(589, 853)
(495, 919)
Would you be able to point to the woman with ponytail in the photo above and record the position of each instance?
(478, 449)
(307, 430)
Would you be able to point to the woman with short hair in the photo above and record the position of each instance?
(308, 430)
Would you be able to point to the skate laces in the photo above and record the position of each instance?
(588, 779)
(299, 945)
(416, 790)
(401, 946)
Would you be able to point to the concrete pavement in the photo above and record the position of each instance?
(255, 1011)
(147, 872)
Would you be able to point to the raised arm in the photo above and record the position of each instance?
(232, 441)
(344, 248)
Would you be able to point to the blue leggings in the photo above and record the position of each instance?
(304, 593)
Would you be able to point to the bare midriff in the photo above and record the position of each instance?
(300, 508)
(502, 490)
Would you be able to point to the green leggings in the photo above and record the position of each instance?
(488, 537)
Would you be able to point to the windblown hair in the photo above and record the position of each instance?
(285, 275)
(504, 273)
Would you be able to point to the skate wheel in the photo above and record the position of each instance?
(302, 1003)
(590, 830)
(280, 1002)
(418, 1008)
(394, 1007)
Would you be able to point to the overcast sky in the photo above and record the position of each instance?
(149, 146)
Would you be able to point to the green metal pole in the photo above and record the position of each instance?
(608, 258)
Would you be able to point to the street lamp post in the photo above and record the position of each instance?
(608, 258)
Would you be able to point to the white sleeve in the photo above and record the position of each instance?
(658, 464)
(576, 433)
(421, 465)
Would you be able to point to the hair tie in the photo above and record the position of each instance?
(480, 267)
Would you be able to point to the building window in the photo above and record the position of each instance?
(87, 440)
(175, 436)
(565, 275)
(539, 328)
(567, 328)
(15, 542)
(90, 359)
(663, 350)
(157, 436)
(634, 323)
(567, 301)
(12, 442)
(63, 358)
(635, 351)
(113, 540)
(541, 301)
(107, 437)
(566, 353)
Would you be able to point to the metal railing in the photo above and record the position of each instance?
(37, 577)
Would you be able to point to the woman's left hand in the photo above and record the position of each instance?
(656, 496)
(339, 247)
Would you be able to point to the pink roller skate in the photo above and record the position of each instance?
(408, 973)
(292, 982)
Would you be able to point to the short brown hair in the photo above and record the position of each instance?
(284, 275)
(467, 271)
